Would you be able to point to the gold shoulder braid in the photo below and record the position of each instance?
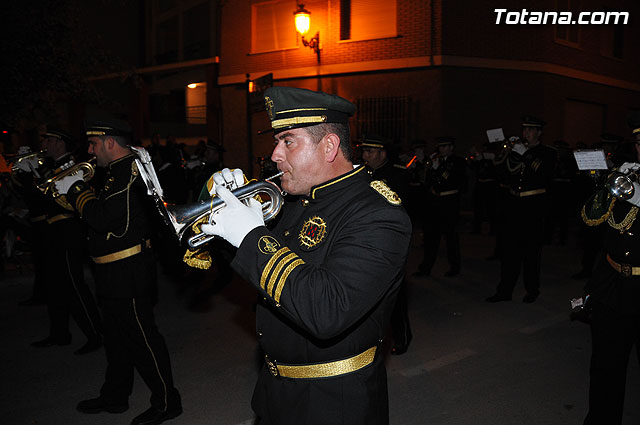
(198, 259)
(384, 190)
(598, 208)
(626, 223)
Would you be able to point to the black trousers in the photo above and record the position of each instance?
(132, 341)
(68, 295)
(522, 247)
(612, 339)
(441, 220)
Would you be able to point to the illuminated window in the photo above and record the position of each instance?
(367, 19)
(196, 103)
(568, 34)
(273, 27)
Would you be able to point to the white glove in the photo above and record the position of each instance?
(227, 178)
(628, 166)
(519, 148)
(63, 185)
(28, 164)
(435, 164)
(635, 199)
(235, 220)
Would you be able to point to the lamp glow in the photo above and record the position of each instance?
(192, 85)
(303, 20)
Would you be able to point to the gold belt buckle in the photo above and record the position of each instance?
(273, 368)
(625, 270)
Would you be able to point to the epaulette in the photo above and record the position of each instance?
(598, 208)
(386, 192)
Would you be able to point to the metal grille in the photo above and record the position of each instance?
(384, 116)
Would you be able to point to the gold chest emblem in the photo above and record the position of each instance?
(268, 104)
(384, 190)
(313, 232)
(268, 245)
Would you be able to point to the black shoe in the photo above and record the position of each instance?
(153, 416)
(497, 298)
(90, 346)
(398, 350)
(51, 341)
(452, 272)
(529, 298)
(97, 405)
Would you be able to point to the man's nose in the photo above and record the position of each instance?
(277, 155)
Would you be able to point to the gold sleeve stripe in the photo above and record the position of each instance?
(277, 270)
(83, 199)
(284, 277)
(272, 260)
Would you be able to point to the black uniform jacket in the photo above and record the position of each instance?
(395, 176)
(608, 286)
(329, 274)
(529, 178)
(449, 176)
(118, 219)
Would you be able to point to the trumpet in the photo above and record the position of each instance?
(182, 217)
(14, 160)
(48, 187)
(621, 184)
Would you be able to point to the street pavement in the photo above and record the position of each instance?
(470, 362)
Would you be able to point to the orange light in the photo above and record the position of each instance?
(411, 162)
(303, 19)
(192, 85)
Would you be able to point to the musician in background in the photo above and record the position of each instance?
(119, 223)
(63, 239)
(614, 290)
(530, 166)
(328, 272)
(446, 180)
(376, 155)
(485, 187)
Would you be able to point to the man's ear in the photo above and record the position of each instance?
(109, 143)
(331, 147)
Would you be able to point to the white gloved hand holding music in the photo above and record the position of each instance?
(63, 185)
(227, 178)
(235, 220)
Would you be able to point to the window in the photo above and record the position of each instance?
(167, 41)
(568, 34)
(196, 103)
(367, 19)
(195, 24)
(273, 27)
(385, 116)
(612, 39)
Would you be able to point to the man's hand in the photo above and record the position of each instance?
(227, 178)
(28, 164)
(235, 220)
(63, 185)
(628, 166)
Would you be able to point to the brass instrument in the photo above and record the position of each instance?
(14, 160)
(48, 187)
(620, 184)
(182, 217)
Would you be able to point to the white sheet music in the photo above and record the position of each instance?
(590, 159)
(495, 135)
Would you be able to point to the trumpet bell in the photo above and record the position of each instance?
(620, 185)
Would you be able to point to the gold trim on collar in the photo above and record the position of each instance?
(120, 159)
(346, 176)
(636, 130)
(285, 122)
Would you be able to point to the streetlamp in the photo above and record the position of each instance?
(303, 23)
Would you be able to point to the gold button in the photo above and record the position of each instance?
(259, 334)
(286, 233)
(278, 305)
(629, 233)
(626, 254)
(304, 202)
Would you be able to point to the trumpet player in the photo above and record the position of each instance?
(446, 180)
(119, 229)
(614, 290)
(62, 240)
(530, 167)
(328, 273)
